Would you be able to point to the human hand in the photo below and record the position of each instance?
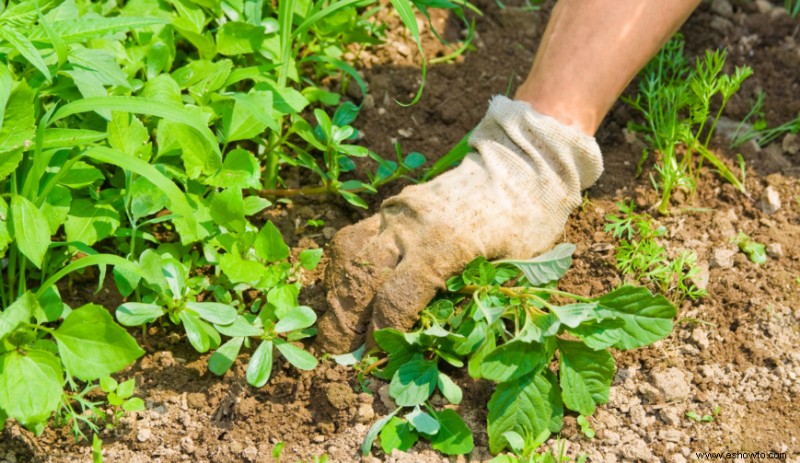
(509, 199)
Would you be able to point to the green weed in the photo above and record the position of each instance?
(505, 322)
(640, 256)
(675, 101)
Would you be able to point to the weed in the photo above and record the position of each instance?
(757, 252)
(509, 335)
(675, 101)
(641, 256)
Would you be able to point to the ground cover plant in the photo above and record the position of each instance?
(146, 137)
(506, 322)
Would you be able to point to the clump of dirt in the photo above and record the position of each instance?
(733, 354)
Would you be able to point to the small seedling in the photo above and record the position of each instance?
(757, 252)
(694, 416)
(641, 256)
(586, 427)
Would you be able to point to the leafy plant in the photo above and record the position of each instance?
(139, 136)
(757, 252)
(640, 256)
(524, 451)
(505, 321)
(675, 101)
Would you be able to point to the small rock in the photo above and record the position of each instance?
(328, 232)
(722, 8)
(791, 143)
(405, 133)
(670, 435)
(319, 438)
(637, 450)
(703, 275)
(610, 437)
(365, 413)
(369, 101)
(638, 416)
(770, 201)
(650, 393)
(250, 453)
(720, 24)
(764, 6)
(383, 393)
(700, 338)
(672, 382)
(670, 416)
(677, 458)
(775, 250)
(601, 247)
(722, 258)
(144, 435)
(402, 48)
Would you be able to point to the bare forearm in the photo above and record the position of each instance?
(591, 50)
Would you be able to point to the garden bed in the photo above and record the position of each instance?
(733, 355)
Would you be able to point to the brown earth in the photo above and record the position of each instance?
(737, 348)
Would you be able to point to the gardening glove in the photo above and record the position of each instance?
(509, 199)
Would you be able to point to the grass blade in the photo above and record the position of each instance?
(406, 13)
(26, 49)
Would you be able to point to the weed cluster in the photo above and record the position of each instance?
(148, 136)
(641, 256)
(506, 322)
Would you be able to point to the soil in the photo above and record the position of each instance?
(735, 351)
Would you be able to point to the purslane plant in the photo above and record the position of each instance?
(506, 322)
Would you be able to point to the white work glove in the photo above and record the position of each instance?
(509, 199)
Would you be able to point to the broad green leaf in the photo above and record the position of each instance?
(17, 313)
(25, 48)
(238, 38)
(203, 76)
(18, 129)
(538, 328)
(125, 389)
(101, 63)
(30, 386)
(422, 422)
(134, 404)
(296, 318)
(450, 390)
(454, 437)
(309, 258)
(572, 315)
(260, 367)
(146, 198)
(239, 169)
(599, 334)
(127, 134)
(91, 221)
(222, 359)
(227, 210)
(195, 332)
(163, 88)
(283, 298)
(240, 270)
(138, 313)
(414, 382)
(30, 229)
(295, 355)
(240, 327)
(197, 156)
(647, 318)
(254, 205)
(585, 376)
(269, 243)
(527, 405)
(397, 434)
(91, 345)
(246, 115)
(547, 267)
(81, 175)
(213, 312)
(373, 431)
(513, 360)
(6, 82)
(50, 307)
(475, 363)
(286, 100)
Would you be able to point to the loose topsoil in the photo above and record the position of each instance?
(734, 354)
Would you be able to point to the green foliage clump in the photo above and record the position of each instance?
(149, 136)
(676, 102)
(506, 322)
(642, 257)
